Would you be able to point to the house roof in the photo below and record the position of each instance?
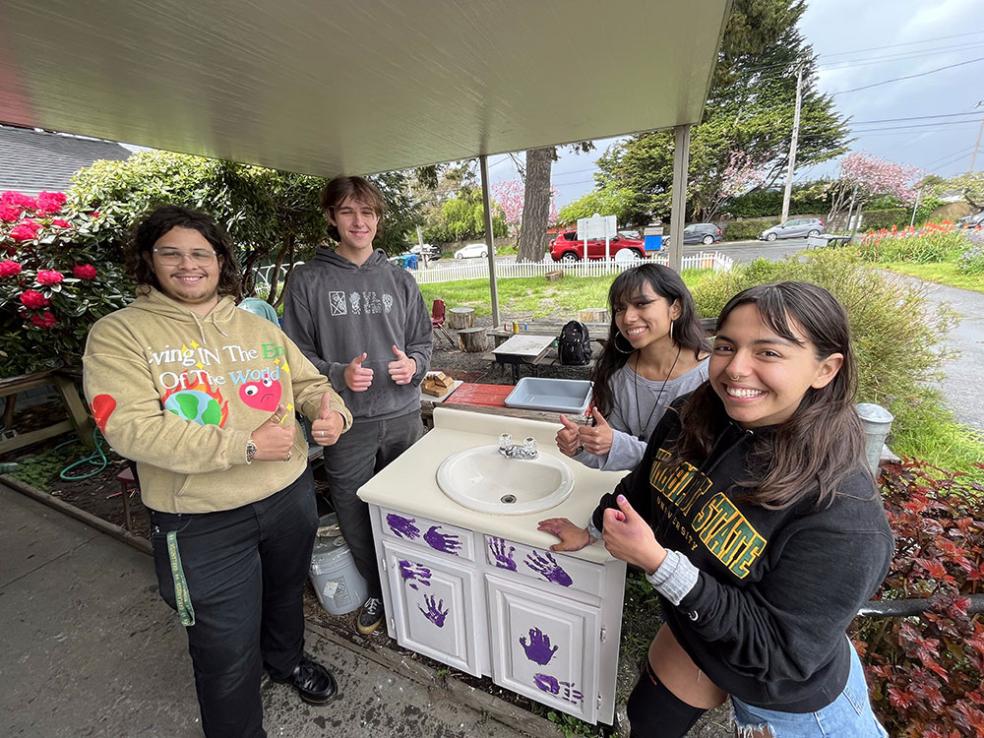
(34, 161)
(361, 87)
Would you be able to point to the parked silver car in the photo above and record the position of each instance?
(793, 228)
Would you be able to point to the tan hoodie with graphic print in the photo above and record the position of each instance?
(180, 394)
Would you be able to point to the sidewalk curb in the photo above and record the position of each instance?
(447, 689)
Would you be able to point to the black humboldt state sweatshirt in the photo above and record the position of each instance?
(775, 589)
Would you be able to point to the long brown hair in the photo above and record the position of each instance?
(688, 333)
(823, 441)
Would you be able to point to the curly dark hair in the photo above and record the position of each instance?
(161, 220)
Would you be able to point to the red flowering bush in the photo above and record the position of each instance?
(925, 672)
(58, 274)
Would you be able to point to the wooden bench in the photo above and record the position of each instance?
(78, 416)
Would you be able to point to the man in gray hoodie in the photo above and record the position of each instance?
(363, 323)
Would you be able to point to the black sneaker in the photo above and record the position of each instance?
(313, 682)
(370, 616)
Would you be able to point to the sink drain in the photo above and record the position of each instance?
(507, 499)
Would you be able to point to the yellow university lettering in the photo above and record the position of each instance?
(728, 535)
(682, 484)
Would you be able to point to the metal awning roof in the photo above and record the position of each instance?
(355, 87)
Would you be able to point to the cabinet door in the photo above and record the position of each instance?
(544, 646)
(438, 607)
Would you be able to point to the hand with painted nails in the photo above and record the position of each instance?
(596, 439)
(274, 439)
(630, 538)
(357, 377)
(572, 537)
(401, 369)
(568, 440)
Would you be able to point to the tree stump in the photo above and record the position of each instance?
(460, 317)
(593, 315)
(555, 275)
(472, 340)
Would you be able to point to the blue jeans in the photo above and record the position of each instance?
(849, 716)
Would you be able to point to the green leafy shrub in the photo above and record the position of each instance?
(925, 673)
(744, 230)
(972, 260)
(57, 276)
(886, 217)
(932, 243)
(898, 334)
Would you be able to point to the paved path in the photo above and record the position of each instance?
(87, 648)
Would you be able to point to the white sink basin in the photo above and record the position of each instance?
(484, 480)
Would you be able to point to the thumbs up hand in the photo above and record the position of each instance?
(328, 427)
(358, 378)
(628, 537)
(274, 439)
(568, 441)
(402, 369)
(598, 439)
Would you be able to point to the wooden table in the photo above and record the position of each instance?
(78, 417)
(523, 348)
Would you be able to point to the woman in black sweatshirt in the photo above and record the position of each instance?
(755, 518)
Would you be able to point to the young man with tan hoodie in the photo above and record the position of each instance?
(363, 323)
(202, 396)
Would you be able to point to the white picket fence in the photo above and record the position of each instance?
(479, 268)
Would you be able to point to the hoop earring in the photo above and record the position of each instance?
(615, 343)
(671, 330)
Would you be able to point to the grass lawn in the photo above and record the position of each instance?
(945, 272)
(534, 297)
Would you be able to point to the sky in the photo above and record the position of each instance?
(865, 43)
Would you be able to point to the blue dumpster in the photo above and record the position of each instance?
(652, 243)
(411, 262)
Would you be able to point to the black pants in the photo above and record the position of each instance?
(361, 452)
(245, 571)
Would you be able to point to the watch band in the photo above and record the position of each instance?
(250, 451)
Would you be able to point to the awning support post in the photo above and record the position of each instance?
(483, 165)
(681, 163)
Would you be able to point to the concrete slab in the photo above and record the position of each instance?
(89, 649)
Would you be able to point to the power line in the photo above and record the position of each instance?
(916, 117)
(941, 124)
(908, 76)
(908, 43)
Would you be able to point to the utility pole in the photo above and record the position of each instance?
(973, 157)
(788, 193)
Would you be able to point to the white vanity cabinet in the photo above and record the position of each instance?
(483, 593)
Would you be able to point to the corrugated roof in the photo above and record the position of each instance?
(34, 161)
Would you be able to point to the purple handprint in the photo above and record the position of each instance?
(435, 611)
(448, 543)
(503, 558)
(544, 564)
(414, 573)
(564, 690)
(402, 527)
(538, 649)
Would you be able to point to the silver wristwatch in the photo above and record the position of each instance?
(250, 451)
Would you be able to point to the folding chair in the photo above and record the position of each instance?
(438, 312)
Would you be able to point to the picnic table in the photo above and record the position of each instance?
(522, 348)
(78, 417)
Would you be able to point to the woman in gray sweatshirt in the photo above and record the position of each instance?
(656, 351)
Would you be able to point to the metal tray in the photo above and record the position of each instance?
(559, 395)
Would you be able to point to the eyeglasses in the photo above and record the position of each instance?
(175, 256)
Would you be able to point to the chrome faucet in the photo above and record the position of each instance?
(526, 450)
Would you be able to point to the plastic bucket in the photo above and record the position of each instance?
(337, 583)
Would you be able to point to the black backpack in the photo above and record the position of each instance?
(574, 344)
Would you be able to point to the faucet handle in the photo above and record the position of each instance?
(505, 441)
(529, 444)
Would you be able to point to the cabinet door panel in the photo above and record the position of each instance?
(438, 607)
(544, 647)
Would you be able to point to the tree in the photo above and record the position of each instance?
(273, 217)
(608, 200)
(510, 197)
(863, 177)
(462, 217)
(748, 113)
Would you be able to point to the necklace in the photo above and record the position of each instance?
(659, 395)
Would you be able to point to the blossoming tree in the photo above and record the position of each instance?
(863, 177)
(56, 279)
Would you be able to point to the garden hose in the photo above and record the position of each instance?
(96, 459)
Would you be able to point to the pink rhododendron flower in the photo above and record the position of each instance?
(24, 202)
(9, 213)
(61, 223)
(33, 300)
(50, 203)
(26, 230)
(9, 269)
(44, 320)
(49, 276)
(83, 271)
